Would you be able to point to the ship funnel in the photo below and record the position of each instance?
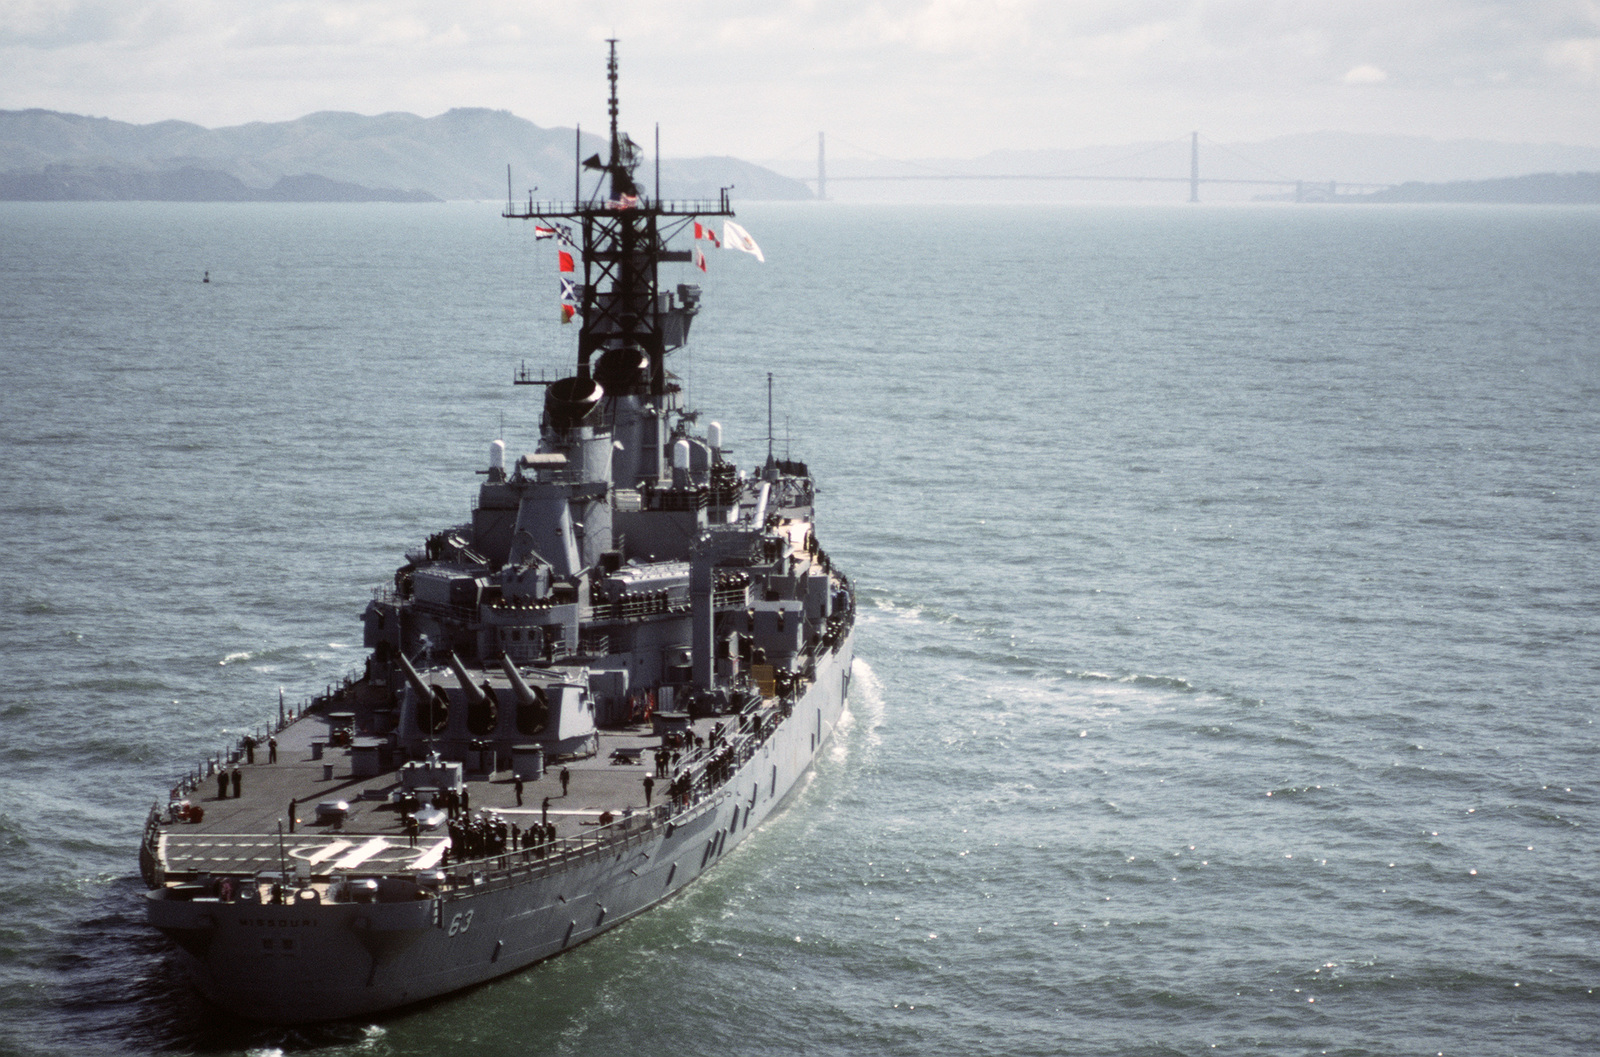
(623, 369)
(569, 401)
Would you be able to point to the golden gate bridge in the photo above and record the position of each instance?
(1303, 190)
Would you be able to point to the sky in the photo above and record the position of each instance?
(895, 78)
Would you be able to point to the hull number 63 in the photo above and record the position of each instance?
(461, 923)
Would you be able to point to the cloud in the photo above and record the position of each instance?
(911, 75)
(1578, 57)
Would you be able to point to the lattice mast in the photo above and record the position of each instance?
(623, 243)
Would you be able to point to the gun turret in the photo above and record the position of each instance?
(433, 704)
(483, 711)
(423, 690)
(474, 694)
(533, 706)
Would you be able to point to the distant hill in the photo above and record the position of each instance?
(461, 154)
(1350, 159)
(1578, 188)
(105, 183)
(1357, 158)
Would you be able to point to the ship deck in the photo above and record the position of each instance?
(240, 835)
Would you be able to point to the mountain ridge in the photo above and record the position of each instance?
(463, 152)
(460, 154)
(1575, 188)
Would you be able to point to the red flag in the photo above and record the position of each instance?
(699, 260)
(566, 261)
(567, 312)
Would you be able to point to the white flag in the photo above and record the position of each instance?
(735, 237)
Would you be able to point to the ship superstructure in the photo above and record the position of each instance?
(574, 703)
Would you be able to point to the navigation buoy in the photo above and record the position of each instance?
(207, 278)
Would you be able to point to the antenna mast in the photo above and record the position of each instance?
(619, 296)
(611, 75)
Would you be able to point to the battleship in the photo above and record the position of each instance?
(574, 704)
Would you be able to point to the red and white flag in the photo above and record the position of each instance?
(699, 257)
(566, 261)
(703, 231)
(567, 312)
(540, 232)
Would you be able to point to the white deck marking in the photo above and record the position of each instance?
(361, 854)
(431, 857)
(330, 851)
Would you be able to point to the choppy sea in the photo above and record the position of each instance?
(1229, 630)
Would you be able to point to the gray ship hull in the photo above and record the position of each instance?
(481, 795)
(304, 961)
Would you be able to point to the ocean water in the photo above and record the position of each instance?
(1229, 623)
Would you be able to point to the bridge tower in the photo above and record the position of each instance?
(1194, 166)
(822, 170)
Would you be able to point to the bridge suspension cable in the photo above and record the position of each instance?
(1194, 179)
